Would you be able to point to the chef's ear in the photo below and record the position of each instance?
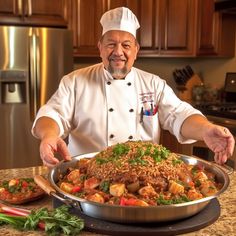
(137, 48)
(99, 45)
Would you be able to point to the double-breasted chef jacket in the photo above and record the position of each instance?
(95, 110)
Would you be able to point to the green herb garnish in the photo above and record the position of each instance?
(104, 186)
(53, 222)
(180, 199)
(176, 161)
(120, 149)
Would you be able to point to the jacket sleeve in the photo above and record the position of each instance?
(173, 112)
(60, 107)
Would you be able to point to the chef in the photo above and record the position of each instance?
(113, 102)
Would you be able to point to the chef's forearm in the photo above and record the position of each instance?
(45, 127)
(194, 127)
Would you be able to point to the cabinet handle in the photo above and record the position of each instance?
(20, 7)
(29, 2)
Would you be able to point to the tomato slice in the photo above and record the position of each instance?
(24, 184)
(76, 189)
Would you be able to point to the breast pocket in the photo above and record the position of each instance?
(149, 128)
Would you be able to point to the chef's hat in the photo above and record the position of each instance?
(120, 18)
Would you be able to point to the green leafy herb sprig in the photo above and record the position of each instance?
(52, 222)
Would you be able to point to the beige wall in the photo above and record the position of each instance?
(211, 70)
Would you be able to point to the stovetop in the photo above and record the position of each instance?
(224, 110)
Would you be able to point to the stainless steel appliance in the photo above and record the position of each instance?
(32, 61)
(222, 113)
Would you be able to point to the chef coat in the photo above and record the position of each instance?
(95, 110)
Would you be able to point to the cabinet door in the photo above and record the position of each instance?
(177, 20)
(34, 12)
(216, 31)
(10, 11)
(167, 27)
(208, 24)
(46, 12)
(86, 26)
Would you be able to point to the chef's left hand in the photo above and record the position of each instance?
(220, 141)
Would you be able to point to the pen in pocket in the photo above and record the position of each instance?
(141, 115)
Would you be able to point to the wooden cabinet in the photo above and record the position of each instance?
(163, 30)
(85, 23)
(216, 31)
(33, 12)
(169, 28)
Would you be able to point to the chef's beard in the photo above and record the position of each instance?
(117, 73)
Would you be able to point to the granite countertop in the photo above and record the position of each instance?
(225, 224)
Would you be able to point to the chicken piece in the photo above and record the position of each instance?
(201, 176)
(13, 182)
(74, 176)
(176, 188)
(207, 188)
(67, 187)
(91, 183)
(193, 194)
(117, 190)
(2, 190)
(147, 191)
(132, 202)
(96, 198)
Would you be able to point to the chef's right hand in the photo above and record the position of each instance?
(49, 146)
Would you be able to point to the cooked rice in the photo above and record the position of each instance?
(133, 166)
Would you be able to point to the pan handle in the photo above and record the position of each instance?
(45, 185)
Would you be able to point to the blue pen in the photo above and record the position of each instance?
(147, 113)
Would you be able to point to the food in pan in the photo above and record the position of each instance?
(19, 190)
(137, 173)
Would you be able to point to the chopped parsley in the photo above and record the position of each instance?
(120, 149)
(104, 186)
(161, 154)
(181, 199)
(176, 162)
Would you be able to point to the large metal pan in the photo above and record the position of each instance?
(134, 214)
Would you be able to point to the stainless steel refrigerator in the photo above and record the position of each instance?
(32, 62)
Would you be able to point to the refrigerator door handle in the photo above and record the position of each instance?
(34, 64)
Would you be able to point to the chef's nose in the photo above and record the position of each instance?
(118, 50)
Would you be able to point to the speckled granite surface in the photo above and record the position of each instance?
(225, 225)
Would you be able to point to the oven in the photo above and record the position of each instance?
(222, 113)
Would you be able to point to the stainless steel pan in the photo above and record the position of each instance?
(133, 214)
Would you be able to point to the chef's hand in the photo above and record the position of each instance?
(49, 146)
(220, 141)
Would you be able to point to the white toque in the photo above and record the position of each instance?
(120, 18)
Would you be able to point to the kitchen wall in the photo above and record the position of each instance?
(211, 70)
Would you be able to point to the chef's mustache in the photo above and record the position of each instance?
(122, 58)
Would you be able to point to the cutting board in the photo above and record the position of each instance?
(204, 218)
(185, 94)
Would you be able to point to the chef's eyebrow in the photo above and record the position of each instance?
(125, 41)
